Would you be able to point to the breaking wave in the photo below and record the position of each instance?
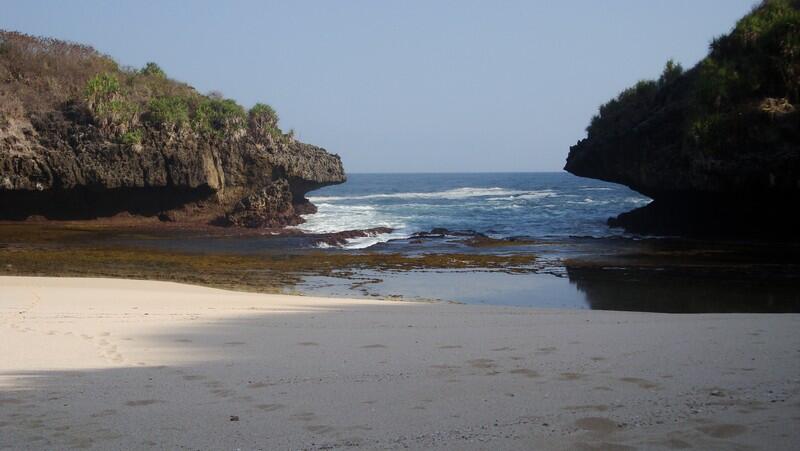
(536, 205)
(456, 193)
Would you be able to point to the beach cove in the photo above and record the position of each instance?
(113, 363)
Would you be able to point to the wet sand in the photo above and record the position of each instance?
(121, 364)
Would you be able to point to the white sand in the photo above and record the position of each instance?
(117, 364)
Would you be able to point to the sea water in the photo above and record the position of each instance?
(536, 205)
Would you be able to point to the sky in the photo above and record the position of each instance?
(404, 86)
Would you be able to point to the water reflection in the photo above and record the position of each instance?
(624, 289)
(664, 290)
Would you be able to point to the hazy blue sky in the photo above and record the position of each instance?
(396, 86)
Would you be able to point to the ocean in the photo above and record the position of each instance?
(537, 205)
(565, 216)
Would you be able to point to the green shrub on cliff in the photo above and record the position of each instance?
(755, 68)
(625, 111)
(217, 115)
(262, 118)
(107, 103)
(672, 71)
(760, 57)
(169, 111)
(123, 112)
(101, 90)
(131, 137)
(759, 61)
(263, 115)
(153, 70)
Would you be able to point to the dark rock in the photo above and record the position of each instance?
(713, 216)
(485, 241)
(441, 232)
(269, 207)
(340, 238)
(62, 169)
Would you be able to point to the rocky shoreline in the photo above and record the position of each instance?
(247, 182)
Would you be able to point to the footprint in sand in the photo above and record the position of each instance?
(596, 424)
(602, 446)
(642, 383)
(213, 384)
(193, 377)
(505, 348)
(223, 392)
(270, 407)
(525, 372)
(143, 402)
(592, 407)
(571, 376)
(104, 413)
(442, 366)
(674, 443)
(482, 363)
(106, 349)
(304, 416)
(723, 430)
(319, 429)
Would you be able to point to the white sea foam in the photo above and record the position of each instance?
(587, 201)
(337, 218)
(367, 241)
(331, 218)
(457, 193)
(527, 195)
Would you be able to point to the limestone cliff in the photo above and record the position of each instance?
(82, 138)
(717, 147)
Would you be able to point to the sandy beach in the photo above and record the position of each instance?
(121, 364)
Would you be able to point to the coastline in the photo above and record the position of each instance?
(128, 364)
(658, 275)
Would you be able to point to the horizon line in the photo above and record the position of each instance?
(458, 172)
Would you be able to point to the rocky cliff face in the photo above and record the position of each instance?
(716, 147)
(61, 159)
(61, 168)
